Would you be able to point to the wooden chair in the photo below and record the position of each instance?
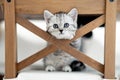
(105, 8)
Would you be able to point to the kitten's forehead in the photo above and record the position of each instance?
(61, 18)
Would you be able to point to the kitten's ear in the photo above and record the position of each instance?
(47, 15)
(73, 13)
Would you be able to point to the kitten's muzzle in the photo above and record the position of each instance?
(61, 31)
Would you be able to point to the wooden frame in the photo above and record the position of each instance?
(12, 9)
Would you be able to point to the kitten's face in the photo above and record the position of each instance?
(61, 25)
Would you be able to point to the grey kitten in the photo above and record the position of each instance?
(62, 26)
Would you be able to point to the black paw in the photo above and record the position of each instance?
(77, 66)
(103, 25)
(88, 35)
(1, 76)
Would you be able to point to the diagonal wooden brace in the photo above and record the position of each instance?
(35, 57)
(79, 55)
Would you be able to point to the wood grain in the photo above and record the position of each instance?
(19, 8)
(110, 30)
(10, 40)
(118, 6)
(38, 6)
(1, 2)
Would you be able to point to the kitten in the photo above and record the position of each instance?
(62, 26)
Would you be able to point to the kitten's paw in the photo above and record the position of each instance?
(67, 69)
(77, 66)
(50, 69)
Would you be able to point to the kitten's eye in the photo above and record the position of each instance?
(66, 25)
(55, 26)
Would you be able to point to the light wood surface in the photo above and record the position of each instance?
(10, 40)
(38, 6)
(32, 11)
(110, 31)
(94, 7)
(1, 2)
(118, 6)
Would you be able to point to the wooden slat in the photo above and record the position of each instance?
(1, 2)
(89, 27)
(38, 6)
(28, 61)
(31, 11)
(60, 43)
(118, 6)
(10, 39)
(109, 72)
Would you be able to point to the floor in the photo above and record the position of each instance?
(93, 47)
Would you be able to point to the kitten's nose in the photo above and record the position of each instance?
(61, 31)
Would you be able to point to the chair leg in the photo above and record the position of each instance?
(10, 39)
(109, 69)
